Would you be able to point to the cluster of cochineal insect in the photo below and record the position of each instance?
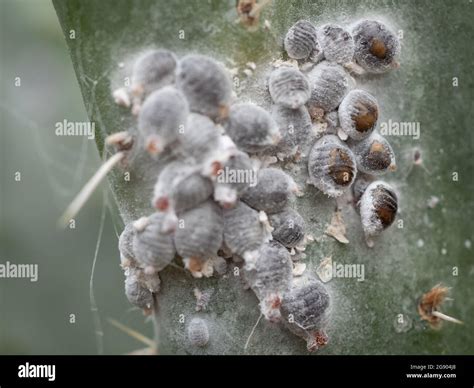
(216, 200)
(351, 152)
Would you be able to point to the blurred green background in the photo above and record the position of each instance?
(34, 317)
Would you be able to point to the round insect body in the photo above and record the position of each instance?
(163, 191)
(153, 70)
(162, 118)
(244, 232)
(181, 187)
(233, 178)
(191, 191)
(153, 248)
(288, 227)
(198, 332)
(336, 43)
(374, 155)
(251, 128)
(329, 84)
(378, 209)
(136, 291)
(296, 130)
(301, 41)
(272, 192)
(305, 309)
(127, 255)
(199, 232)
(331, 166)
(358, 114)
(206, 85)
(376, 47)
(270, 276)
(200, 137)
(289, 87)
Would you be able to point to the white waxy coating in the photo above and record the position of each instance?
(270, 277)
(289, 87)
(301, 41)
(295, 128)
(329, 84)
(163, 191)
(378, 208)
(152, 246)
(206, 84)
(331, 166)
(376, 47)
(200, 231)
(305, 307)
(237, 173)
(288, 227)
(191, 191)
(272, 192)
(251, 127)
(198, 332)
(153, 70)
(374, 155)
(126, 244)
(336, 43)
(200, 137)
(162, 117)
(136, 291)
(358, 114)
(243, 230)
(181, 186)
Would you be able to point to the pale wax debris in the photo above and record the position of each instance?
(337, 228)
